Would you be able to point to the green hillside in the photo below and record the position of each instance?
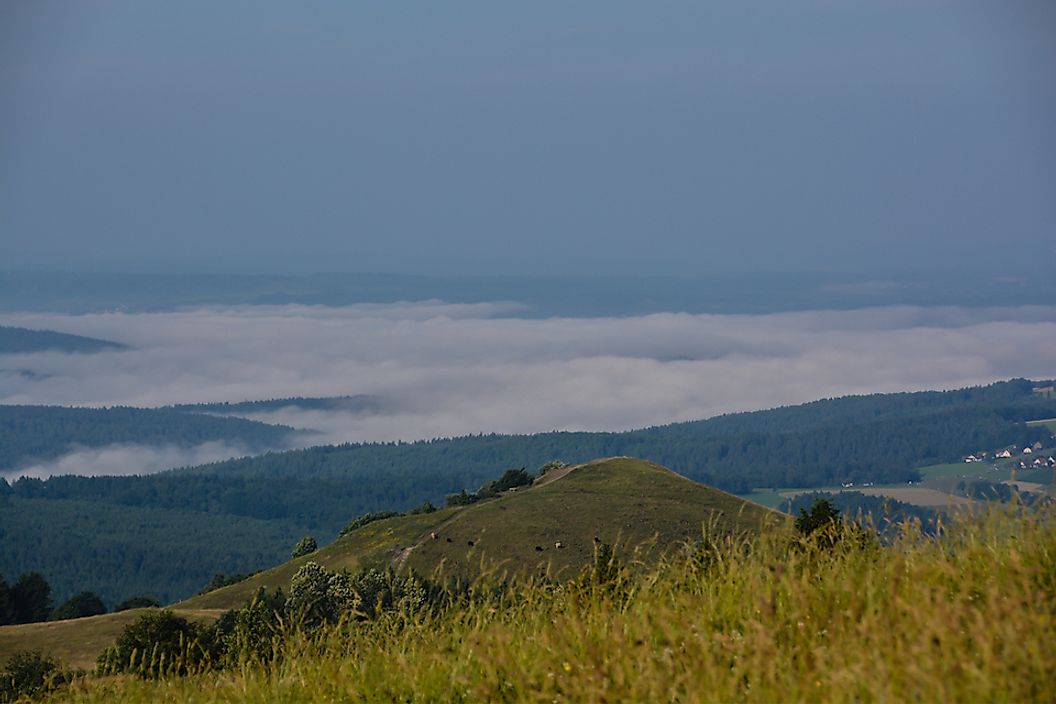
(77, 642)
(637, 505)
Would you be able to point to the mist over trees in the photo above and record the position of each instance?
(30, 434)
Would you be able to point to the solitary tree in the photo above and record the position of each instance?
(822, 524)
(158, 643)
(822, 514)
(28, 674)
(137, 602)
(78, 606)
(31, 598)
(306, 546)
(7, 611)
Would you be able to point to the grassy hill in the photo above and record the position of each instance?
(634, 504)
(968, 615)
(628, 502)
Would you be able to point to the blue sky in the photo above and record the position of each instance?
(555, 138)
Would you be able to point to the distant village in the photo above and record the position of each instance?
(1030, 457)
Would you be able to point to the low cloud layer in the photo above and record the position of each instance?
(125, 459)
(454, 369)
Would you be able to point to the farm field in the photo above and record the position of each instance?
(936, 489)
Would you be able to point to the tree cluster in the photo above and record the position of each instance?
(163, 643)
(510, 479)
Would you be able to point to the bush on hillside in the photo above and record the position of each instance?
(306, 546)
(367, 518)
(137, 602)
(78, 606)
(29, 674)
(158, 644)
(7, 609)
(550, 466)
(254, 632)
(31, 598)
(462, 498)
(510, 479)
(426, 507)
(221, 580)
(319, 597)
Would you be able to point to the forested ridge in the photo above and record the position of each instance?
(20, 340)
(38, 433)
(877, 438)
(357, 403)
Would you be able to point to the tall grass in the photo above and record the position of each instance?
(968, 616)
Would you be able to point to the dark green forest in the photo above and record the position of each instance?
(38, 433)
(358, 403)
(20, 340)
(122, 551)
(877, 438)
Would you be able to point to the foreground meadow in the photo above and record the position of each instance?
(969, 616)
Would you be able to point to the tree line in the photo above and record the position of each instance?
(38, 433)
(29, 600)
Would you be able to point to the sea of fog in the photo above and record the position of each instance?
(444, 369)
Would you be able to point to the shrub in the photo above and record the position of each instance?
(28, 673)
(78, 606)
(367, 518)
(220, 580)
(319, 597)
(426, 507)
(306, 546)
(31, 598)
(252, 633)
(137, 602)
(462, 498)
(822, 515)
(550, 466)
(156, 645)
(316, 598)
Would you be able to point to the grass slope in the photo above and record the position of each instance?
(969, 616)
(624, 501)
(77, 642)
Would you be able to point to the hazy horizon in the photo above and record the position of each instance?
(527, 217)
(476, 138)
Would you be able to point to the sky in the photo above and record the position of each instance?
(527, 138)
(441, 369)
